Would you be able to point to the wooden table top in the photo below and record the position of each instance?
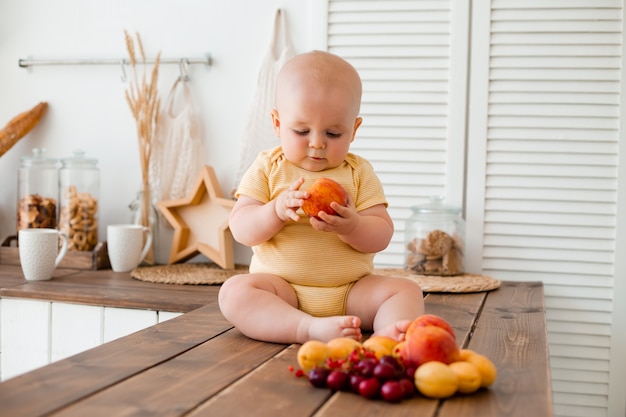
(198, 365)
(105, 288)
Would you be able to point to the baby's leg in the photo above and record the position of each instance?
(265, 307)
(386, 305)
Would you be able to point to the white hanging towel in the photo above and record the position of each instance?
(258, 133)
(178, 148)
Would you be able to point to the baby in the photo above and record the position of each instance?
(313, 278)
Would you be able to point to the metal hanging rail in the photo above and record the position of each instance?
(183, 63)
(30, 62)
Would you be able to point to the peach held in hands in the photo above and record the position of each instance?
(321, 194)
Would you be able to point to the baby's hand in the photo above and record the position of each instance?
(288, 202)
(344, 222)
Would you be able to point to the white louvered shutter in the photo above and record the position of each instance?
(413, 99)
(543, 176)
(544, 172)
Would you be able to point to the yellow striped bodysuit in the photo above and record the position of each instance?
(320, 267)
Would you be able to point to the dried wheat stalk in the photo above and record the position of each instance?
(144, 102)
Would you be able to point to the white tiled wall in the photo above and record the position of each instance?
(35, 333)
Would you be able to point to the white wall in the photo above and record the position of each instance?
(87, 108)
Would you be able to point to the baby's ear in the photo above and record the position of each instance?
(357, 123)
(276, 122)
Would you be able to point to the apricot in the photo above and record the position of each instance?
(380, 345)
(341, 347)
(312, 354)
(436, 380)
(486, 368)
(464, 354)
(321, 193)
(397, 350)
(468, 375)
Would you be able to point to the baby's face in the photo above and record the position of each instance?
(316, 124)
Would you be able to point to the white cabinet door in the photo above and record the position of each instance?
(35, 333)
(167, 315)
(74, 329)
(120, 322)
(25, 338)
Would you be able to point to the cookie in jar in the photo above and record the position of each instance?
(435, 239)
(79, 180)
(37, 186)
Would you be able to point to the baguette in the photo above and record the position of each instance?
(20, 125)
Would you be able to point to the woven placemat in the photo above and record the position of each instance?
(211, 274)
(462, 283)
(187, 273)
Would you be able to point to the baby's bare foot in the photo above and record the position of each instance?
(327, 328)
(394, 330)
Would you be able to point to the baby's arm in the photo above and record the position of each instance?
(252, 222)
(368, 231)
(373, 230)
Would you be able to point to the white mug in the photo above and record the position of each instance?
(126, 247)
(39, 252)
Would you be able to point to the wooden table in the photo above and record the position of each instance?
(198, 365)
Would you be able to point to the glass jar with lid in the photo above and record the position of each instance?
(79, 183)
(37, 191)
(435, 239)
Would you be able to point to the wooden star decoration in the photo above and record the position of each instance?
(200, 222)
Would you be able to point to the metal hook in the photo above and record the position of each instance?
(123, 65)
(183, 68)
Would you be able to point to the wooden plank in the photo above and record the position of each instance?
(110, 289)
(273, 390)
(269, 390)
(348, 404)
(174, 387)
(12, 276)
(511, 331)
(460, 310)
(53, 387)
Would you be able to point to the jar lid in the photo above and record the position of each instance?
(436, 206)
(38, 159)
(79, 161)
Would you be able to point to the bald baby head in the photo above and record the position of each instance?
(321, 70)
